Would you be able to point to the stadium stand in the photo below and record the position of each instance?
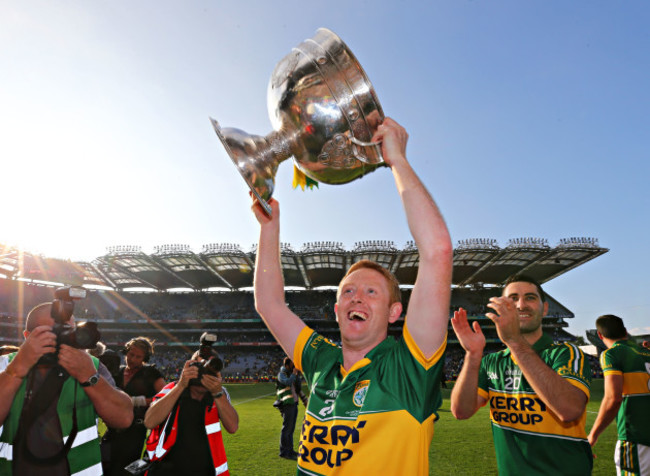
(174, 295)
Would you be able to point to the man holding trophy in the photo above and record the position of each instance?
(374, 399)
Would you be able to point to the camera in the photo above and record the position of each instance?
(210, 363)
(84, 336)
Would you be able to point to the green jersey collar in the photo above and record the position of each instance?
(385, 345)
(625, 342)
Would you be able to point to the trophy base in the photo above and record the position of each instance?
(262, 187)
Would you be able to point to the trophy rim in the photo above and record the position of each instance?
(371, 87)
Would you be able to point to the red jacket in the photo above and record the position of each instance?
(158, 447)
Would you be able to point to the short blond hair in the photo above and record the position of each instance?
(395, 294)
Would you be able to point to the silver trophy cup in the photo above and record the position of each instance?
(324, 112)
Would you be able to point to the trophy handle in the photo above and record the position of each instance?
(358, 143)
(265, 206)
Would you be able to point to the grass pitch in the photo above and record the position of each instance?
(458, 448)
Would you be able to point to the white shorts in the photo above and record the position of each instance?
(632, 459)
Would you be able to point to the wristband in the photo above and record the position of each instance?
(11, 372)
(218, 395)
(139, 401)
(91, 381)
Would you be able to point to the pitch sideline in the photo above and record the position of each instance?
(253, 399)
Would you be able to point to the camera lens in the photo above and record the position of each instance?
(213, 365)
(86, 335)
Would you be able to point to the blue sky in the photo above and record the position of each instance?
(526, 119)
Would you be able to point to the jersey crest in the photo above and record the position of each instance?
(360, 392)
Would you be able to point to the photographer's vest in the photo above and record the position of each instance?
(285, 392)
(84, 455)
(162, 439)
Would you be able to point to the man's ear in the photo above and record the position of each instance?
(545, 309)
(395, 312)
(336, 311)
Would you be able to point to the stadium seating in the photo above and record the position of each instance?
(177, 320)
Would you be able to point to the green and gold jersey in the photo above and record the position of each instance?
(528, 437)
(376, 418)
(633, 363)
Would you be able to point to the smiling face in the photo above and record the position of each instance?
(530, 307)
(363, 309)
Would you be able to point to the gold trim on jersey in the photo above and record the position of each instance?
(485, 395)
(612, 372)
(578, 384)
(636, 383)
(301, 341)
(357, 365)
(575, 358)
(417, 353)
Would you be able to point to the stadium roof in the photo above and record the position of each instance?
(477, 262)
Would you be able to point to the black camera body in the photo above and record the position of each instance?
(84, 336)
(210, 363)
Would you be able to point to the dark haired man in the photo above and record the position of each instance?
(626, 367)
(373, 400)
(537, 390)
(186, 418)
(49, 409)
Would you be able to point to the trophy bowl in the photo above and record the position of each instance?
(324, 112)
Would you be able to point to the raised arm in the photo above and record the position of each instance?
(39, 342)
(567, 401)
(228, 416)
(269, 282)
(465, 400)
(163, 406)
(428, 309)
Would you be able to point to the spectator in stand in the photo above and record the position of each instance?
(141, 382)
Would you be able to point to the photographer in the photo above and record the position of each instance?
(50, 396)
(186, 419)
(288, 390)
(141, 381)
